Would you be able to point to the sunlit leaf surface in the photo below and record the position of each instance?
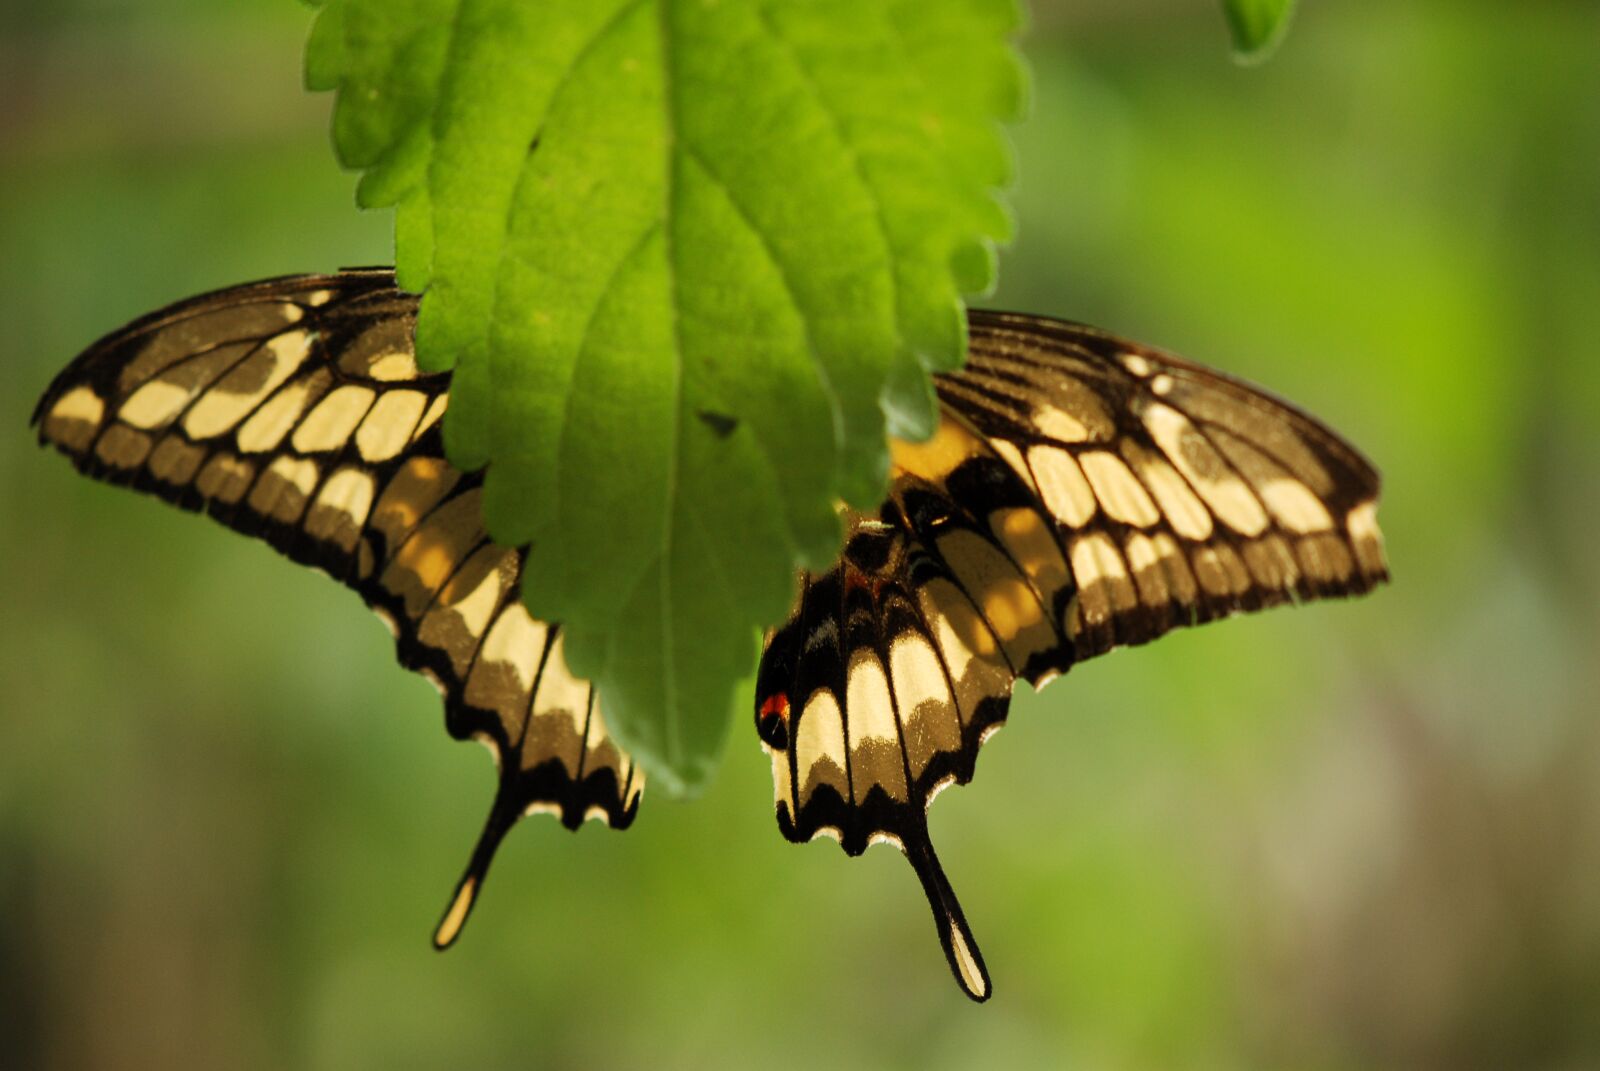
(690, 262)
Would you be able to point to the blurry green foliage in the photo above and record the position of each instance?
(1341, 837)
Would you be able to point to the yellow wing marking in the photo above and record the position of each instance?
(874, 738)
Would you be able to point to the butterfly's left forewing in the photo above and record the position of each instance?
(292, 410)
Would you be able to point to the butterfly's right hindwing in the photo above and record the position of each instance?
(1080, 493)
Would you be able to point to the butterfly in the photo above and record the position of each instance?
(1080, 493)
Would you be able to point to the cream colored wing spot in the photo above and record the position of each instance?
(388, 621)
(1078, 417)
(431, 553)
(1120, 493)
(1027, 537)
(1295, 506)
(1007, 602)
(454, 918)
(1011, 454)
(976, 664)
(328, 426)
(225, 478)
(542, 807)
(1290, 502)
(341, 509)
(1104, 587)
(971, 974)
(416, 488)
(928, 716)
(175, 461)
(1062, 485)
(560, 708)
(1365, 538)
(460, 615)
(1180, 578)
(1060, 425)
(1061, 401)
(284, 489)
(502, 678)
(599, 751)
(397, 367)
(212, 413)
(122, 447)
(269, 367)
(782, 781)
(1136, 364)
(385, 344)
(1186, 514)
(1270, 430)
(431, 417)
(75, 418)
(231, 398)
(267, 426)
(154, 404)
(1066, 406)
(819, 747)
(874, 738)
(1226, 494)
(438, 685)
(1149, 575)
(388, 427)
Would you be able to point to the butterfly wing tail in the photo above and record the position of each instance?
(502, 816)
(955, 936)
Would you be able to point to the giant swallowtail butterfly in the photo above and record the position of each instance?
(1081, 493)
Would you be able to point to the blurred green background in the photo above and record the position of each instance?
(1347, 836)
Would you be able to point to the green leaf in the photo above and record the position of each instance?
(691, 260)
(1258, 26)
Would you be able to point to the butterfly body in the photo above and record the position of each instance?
(1080, 493)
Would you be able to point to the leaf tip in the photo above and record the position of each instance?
(1257, 28)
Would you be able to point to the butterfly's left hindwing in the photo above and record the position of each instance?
(1081, 493)
(292, 410)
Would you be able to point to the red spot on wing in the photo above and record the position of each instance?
(772, 723)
